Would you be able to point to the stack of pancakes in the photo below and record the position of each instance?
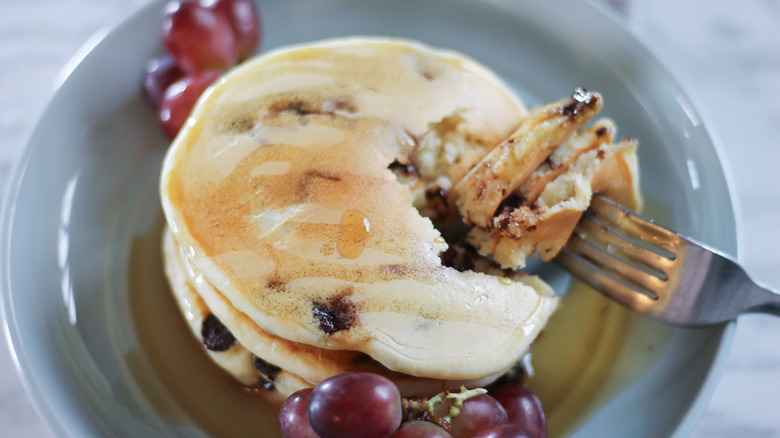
(309, 195)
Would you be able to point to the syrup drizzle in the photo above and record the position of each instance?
(355, 230)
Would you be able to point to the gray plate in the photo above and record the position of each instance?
(99, 344)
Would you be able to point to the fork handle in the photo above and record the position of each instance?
(754, 296)
(762, 299)
(732, 291)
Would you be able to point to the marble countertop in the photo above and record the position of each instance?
(726, 56)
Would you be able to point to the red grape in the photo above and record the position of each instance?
(477, 413)
(523, 408)
(198, 38)
(179, 99)
(161, 72)
(420, 429)
(245, 21)
(293, 416)
(357, 405)
(503, 431)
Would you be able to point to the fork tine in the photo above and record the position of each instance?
(603, 281)
(634, 224)
(630, 275)
(618, 244)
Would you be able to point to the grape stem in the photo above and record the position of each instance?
(416, 408)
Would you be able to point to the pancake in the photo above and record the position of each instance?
(540, 215)
(257, 358)
(229, 354)
(281, 192)
(509, 164)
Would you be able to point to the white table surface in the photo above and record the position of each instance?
(726, 54)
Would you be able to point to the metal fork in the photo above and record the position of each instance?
(658, 272)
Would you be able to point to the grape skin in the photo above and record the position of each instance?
(503, 431)
(202, 40)
(199, 39)
(420, 429)
(477, 413)
(180, 98)
(356, 405)
(365, 405)
(294, 417)
(244, 19)
(161, 72)
(522, 407)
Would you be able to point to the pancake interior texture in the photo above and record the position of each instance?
(309, 195)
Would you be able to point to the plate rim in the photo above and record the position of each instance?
(11, 331)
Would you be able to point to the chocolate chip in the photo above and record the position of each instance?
(437, 200)
(436, 193)
(407, 170)
(267, 369)
(448, 257)
(458, 258)
(268, 373)
(510, 203)
(216, 337)
(503, 216)
(580, 99)
(336, 314)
